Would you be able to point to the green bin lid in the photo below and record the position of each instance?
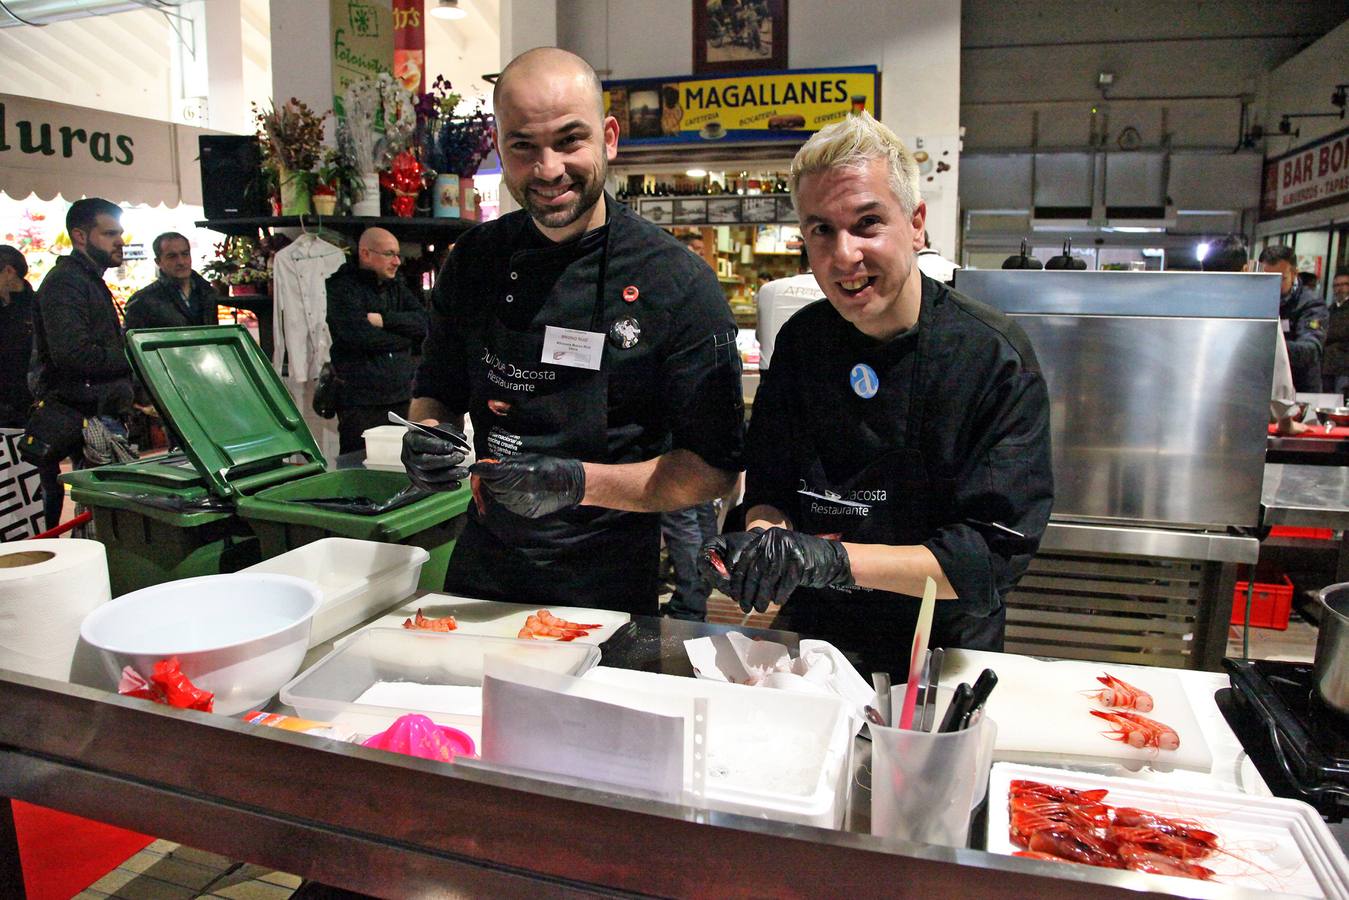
(238, 423)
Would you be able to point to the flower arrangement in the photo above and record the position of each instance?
(291, 135)
(380, 119)
(238, 260)
(460, 143)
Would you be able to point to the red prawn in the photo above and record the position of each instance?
(1021, 788)
(1120, 694)
(422, 623)
(1138, 731)
(1077, 846)
(544, 624)
(1143, 859)
(1126, 818)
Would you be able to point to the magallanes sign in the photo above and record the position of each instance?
(762, 107)
(1307, 178)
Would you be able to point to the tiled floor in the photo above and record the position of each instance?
(168, 871)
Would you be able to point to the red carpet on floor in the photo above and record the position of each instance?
(63, 854)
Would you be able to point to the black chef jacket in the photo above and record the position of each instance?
(951, 452)
(677, 387)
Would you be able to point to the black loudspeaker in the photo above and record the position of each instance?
(230, 183)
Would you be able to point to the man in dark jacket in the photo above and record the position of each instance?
(179, 297)
(16, 338)
(1304, 317)
(1335, 366)
(78, 357)
(377, 327)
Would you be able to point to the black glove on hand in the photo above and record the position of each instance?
(432, 463)
(532, 485)
(779, 561)
(718, 556)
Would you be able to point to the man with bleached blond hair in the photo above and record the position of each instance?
(901, 434)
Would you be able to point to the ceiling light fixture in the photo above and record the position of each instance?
(448, 9)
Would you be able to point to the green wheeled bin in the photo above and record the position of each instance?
(247, 474)
(158, 523)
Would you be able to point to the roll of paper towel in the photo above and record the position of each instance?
(46, 589)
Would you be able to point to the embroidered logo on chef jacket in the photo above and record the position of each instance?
(864, 381)
(625, 333)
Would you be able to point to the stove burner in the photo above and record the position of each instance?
(1309, 740)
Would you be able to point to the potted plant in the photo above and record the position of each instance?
(291, 136)
(380, 121)
(337, 178)
(457, 149)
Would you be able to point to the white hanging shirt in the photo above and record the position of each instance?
(776, 302)
(300, 294)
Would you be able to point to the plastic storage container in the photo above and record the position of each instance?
(432, 523)
(328, 690)
(384, 447)
(357, 579)
(242, 435)
(772, 754)
(1271, 604)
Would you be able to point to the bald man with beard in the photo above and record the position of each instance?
(377, 327)
(595, 355)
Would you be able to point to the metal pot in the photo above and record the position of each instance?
(1331, 670)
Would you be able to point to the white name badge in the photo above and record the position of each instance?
(572, 347)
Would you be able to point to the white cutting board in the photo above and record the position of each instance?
(1043, 714)
(488, 617)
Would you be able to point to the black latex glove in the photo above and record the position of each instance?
(532, 485)
(718, 556)
(777, 561)
(433, 464)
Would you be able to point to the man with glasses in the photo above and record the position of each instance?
(377, 326)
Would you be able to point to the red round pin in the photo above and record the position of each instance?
(630, 293)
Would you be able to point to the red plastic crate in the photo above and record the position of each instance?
(1294, 531)
(1271, 604)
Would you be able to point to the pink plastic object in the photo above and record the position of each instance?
(416, 735)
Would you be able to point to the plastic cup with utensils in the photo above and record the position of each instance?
(924, 786)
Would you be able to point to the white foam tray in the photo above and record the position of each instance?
(1267, 843)
(357, 578)
(771, 754)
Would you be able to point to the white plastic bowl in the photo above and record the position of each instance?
(238, 636)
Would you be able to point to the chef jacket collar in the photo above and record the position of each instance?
(862, 342)
(532, 240)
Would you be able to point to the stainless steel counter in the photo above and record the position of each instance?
(398, 826)
(1310, 496)
(1313, 496)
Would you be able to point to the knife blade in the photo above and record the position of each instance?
(933, 680)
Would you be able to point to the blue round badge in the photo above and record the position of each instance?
(864, 382)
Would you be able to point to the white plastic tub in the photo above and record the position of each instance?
(357, 579)
(384, 447)
(328, 691)
(771, 754)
